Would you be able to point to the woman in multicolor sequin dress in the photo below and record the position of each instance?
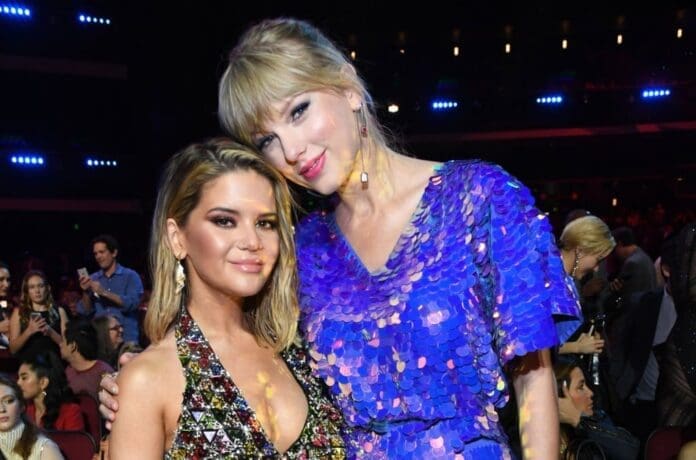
(224, 377)
(420, 282)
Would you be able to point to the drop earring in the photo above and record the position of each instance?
(361, 121)
(179, 276)
(575, 264)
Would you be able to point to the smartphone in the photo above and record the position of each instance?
(36, 314)
(82, 272)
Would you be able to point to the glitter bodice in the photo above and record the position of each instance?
(413, 352)
(216, 421)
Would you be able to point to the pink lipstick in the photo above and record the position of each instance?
(314, 168)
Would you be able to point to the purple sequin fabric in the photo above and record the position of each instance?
(413, 353)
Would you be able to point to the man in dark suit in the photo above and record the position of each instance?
(637, 273)
(645, 322)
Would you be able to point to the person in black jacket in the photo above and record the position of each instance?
(644, 324)
(581, 420)
(676, 389)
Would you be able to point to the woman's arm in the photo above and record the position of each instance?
(54, 335)
(139, 430)
(535, 388)
(5, 325)
(63, 320)
(18, 337)
(585, 344)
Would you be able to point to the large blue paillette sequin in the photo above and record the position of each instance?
(413, 353)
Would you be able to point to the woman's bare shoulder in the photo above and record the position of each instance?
(156, 364)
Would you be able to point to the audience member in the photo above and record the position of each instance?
(50, 401)
(20, 439)
(637, 272)
(644, 323)
(675, 396)
(584, 242)
(5, 306)
(38, 323)
(113, 289)
(580, 419)
(109, 338)
(79, 349)
(68, 299)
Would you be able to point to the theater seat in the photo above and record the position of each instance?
(664, 443)
(90, 411)
(75, 445)
(9, 364)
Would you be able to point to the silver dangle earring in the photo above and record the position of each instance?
(179, 276)
(575, 264)
(361, 121)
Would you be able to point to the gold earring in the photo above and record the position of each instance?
(179, 276)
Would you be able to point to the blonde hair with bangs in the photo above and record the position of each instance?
(273, 313)
(589, 234)
(280, 58)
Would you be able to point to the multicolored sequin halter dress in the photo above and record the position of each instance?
(216, 421)
(413, 353)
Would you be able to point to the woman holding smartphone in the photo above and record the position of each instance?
(38, 323)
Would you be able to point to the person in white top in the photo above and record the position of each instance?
(19, 438)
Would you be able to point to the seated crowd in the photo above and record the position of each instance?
(53, 354)
(620, 378)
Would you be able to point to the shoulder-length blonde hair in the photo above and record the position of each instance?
(588, 234)
(277, 59)
(272, 313)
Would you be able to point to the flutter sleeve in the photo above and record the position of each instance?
(535, 304)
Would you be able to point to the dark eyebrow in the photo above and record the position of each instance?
(235, 212)
(221, 209)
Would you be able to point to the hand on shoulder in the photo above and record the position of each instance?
(150, 367)
(150, 389)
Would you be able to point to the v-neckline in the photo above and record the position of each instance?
(241, 399)
(405, 231)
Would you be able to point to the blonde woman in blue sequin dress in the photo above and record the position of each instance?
(224, 377)
(420, 282)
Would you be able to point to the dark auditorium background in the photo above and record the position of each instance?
(132, 92)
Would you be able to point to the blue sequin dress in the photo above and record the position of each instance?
(413, 353)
